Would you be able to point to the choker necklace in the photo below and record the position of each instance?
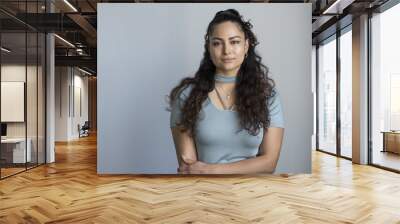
(224, 78)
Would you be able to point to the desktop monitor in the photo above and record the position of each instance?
(3, 129)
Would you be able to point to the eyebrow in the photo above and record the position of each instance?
(230, 38)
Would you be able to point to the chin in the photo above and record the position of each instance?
(228, 68)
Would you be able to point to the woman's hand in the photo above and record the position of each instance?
(264, 163)
(194, 167)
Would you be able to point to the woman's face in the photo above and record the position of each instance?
(227, 47)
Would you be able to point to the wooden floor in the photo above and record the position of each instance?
(387, 159)
(5, 172)
(70, 191)
(9, 171)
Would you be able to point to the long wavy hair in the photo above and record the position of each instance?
(253, 86)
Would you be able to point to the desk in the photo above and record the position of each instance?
(15, 148)
(391, 141)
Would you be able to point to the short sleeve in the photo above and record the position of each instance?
(276, 111)
(176, 109)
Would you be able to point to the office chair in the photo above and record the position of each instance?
(84, 130)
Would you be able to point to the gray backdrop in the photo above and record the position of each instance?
(145, 49)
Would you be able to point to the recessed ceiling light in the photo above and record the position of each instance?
(337, 7)
(70, 5)
(5, 49)
(84, 71)
(64, 40)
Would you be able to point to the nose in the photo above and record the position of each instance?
(227, 49)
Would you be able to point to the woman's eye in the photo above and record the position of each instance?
(236, 42)
(215, 44)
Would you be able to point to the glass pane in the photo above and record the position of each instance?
(327, 97)
(31, 101)
(314, 91)
(346, 94)
(13, 86)
(386, 89)
(41, 98)
(22, 88)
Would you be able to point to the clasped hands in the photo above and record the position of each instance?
(190, 166)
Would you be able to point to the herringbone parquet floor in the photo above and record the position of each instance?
(70, 191)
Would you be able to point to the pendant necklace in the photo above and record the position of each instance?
(224, 79)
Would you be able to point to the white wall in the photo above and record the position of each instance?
(33, 126)
(16, 72)
(61, 103)
(69, 84)
(79, 117)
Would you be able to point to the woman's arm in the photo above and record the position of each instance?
(185, 148)
(264, 163)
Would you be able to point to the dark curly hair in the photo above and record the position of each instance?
(253, 86)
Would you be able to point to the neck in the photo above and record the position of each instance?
(224, 78)
(226, 72)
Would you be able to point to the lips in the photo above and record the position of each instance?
(228, 59)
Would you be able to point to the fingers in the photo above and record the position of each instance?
(183, 168)
(187, 169)
(194, 168)
(190, 166)
(182, 171)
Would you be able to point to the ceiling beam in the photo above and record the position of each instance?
(87, 61)
(337, 6)
(85, 25)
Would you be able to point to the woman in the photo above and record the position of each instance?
(227, 119)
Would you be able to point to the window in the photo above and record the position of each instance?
(385, 88)
(327, 96)
(346, 93)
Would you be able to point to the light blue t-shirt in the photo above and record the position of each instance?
(217, 138)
